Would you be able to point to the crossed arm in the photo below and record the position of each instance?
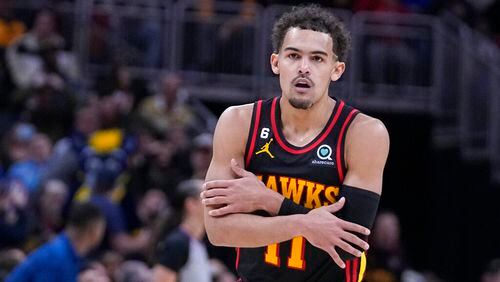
(231, 193)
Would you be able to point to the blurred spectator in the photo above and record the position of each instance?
(201, 155)
(61, 259)
(151, 206)
(100, 31)
(116, 236)
(386, 258)
(145, 210)
(38, 58)
(107, 149)
(134, 40)
(94, 273)
(65, 160)
(182, 255)
(133, 271)
(111, 111)
(461, 9)
(10, 29)
(173, 107)
(389, 58)
(235, 37)
(45, 75)
(118, 85)
(47, 219)
(110, 261)
(492, 272)
(142, 36)
(13, 213)
(201, 56)
(158, 164)
(31, 170)
(9, 259)
(17, 142)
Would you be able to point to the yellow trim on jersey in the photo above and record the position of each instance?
(265, 149)
(362, 267)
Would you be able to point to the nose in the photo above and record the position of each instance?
(304, 66)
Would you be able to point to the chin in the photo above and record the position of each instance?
(300, 103)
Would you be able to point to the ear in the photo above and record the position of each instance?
(274, 63)
(337, 71)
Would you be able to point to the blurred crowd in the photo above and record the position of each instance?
(121, 149)
(138, 151)
(481, 15)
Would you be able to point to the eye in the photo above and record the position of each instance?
(293, 56)
(317, 59)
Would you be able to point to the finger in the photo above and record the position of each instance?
(335, 256)
(221, 211)
(216, 184)
(348, 248)
(349, 226)
(215, 192)
(335, 207)
(215, 201)
(353, 239)
(238, 170)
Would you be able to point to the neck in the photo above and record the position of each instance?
(301, 126)
(193, 227)
(76, 241)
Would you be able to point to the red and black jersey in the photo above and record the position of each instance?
(311, 176)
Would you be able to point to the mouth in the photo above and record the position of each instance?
(302, 84)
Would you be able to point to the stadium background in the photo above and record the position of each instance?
(430, 70)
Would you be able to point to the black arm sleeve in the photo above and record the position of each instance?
(360, 207)
(288, 207)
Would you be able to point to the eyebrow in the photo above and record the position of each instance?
(313, 52)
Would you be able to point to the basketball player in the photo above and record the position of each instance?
(321, 160)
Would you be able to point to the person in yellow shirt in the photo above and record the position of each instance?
(10, 28)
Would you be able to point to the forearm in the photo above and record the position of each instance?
(275, 204)
(248, 230)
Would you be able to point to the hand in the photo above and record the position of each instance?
(326, 231)
(242, 195)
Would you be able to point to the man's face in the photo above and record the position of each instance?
(306, 64)
(44, 24)
(97, 233)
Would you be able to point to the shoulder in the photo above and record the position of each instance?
(48, 255)
(235, 115)
(366, 152)
(367, 129)
(233, 126)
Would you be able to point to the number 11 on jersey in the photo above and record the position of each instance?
(296, 258)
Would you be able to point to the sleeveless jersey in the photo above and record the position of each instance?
(311, 176)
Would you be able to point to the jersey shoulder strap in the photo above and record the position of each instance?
(346, 117)
(260, 117)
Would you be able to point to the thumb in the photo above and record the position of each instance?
(238, 170)
(335, 207)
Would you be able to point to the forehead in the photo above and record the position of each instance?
(308, 40)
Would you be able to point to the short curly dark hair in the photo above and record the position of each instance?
(312, 17)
